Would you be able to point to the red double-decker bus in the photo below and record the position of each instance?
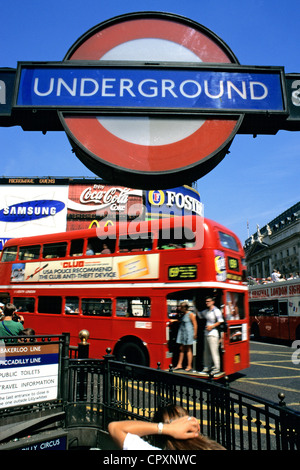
(275, 310)
(123, 284)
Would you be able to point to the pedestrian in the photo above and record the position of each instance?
(275, 276)
(172, 429)
(12, 324)
(187, 332)
(89, 250)
(214, 318)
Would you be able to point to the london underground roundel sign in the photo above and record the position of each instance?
(148, 151)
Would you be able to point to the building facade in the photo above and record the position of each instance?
(275, 246)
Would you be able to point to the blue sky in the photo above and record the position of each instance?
(257, 181)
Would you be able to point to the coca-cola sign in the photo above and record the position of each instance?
(115, 197)
(89, 203)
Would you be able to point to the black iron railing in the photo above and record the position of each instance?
(101, 391)
(93, 392)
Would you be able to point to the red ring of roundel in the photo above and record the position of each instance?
(105, 146)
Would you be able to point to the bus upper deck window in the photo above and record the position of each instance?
(98, 246)
(55, 250)
(9, 253)
(139, 242)
(178, 237)
(228, 241)
(29, 252)
(76, 248)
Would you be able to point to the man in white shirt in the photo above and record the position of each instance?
(275, 276)
(214, 318)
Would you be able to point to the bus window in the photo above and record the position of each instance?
(180, 237)
(72, 305)
(49, 304)
(29, 252)
(228, 241)
(97, 307)
(133, 307)
(172, 306)
(234, 308)
(24, 304)
(96, 246)
(9, 253)
(264, 307)
(55, 250)
(235, 333)
(283, 308)
(142, 242)
(76, 248)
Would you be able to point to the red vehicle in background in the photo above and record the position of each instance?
(275, 310)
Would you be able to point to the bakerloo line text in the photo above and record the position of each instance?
(151, 88)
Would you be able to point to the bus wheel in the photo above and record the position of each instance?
(133, 352)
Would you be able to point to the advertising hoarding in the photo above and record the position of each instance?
(36, 210)
(90, 202)
(38, 206)
(183, 200)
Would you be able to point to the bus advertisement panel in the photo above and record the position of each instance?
(142, 266)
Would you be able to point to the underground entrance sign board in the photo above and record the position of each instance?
(147, 88)
(28, 373)
(150, 99)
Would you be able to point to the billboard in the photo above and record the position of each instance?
(34, 210)
(183, 200)
(90, 202)
(38, 206)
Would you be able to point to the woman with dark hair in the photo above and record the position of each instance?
(175, 429)
(172, 413)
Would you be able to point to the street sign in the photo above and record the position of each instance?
(115, 89)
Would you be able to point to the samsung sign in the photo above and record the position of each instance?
(141, 87)
(30, 210)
